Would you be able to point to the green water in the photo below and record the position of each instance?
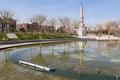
(91, 59)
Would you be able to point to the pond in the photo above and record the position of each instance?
(90, 59)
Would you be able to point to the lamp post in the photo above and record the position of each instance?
(39, 31)
(4, 35)
(0, 24)
(39, 34)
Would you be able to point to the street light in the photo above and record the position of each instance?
(4, 35)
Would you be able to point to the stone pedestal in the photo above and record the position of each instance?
(81, 32)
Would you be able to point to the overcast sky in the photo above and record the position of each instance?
(95, 11)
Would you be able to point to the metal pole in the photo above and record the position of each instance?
(117, 77)
(96, 71)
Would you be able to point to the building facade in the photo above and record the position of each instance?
(34, 27)
(7, 27)
(0, 25)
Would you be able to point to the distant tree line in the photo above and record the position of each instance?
(7, 23)
(108, 28)
(66, 24)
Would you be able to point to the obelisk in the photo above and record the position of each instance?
(81, 24)
(81, 29)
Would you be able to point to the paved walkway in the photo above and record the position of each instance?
(105, 37)
(22, 44)
(84, 38)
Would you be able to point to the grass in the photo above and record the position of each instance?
(1, 36)
(35, 36)
(27, 36)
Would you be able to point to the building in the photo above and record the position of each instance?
(18, 27)
(34, 27)
(45, 28)
(81, 28)
(0, 25)
(27, 27)
(7, 27)
(12, 25)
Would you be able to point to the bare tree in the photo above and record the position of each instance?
(7, 18)
(118, 28)
(1, 24)
(118, 22)
(64, 21)
(110, 26)
(99, 25)
(99, 29)
(39, 19)
(52, 22)
(75, 24)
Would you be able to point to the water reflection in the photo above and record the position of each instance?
(39, 59)
(81, 56)
(6, 64)
(65, 56)
(101, 48)
(80, 47)
(52, 55)
(112, 44)
(85, 57)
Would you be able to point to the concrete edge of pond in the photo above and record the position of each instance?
(10, 44)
